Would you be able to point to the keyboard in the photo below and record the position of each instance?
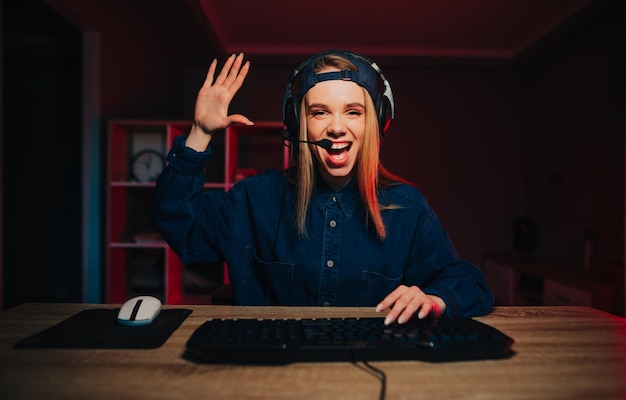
(284, 341)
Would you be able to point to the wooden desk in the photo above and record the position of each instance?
(562, 353)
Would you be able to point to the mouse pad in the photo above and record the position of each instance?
(98, 329)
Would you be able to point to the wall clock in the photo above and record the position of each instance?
(146, 165)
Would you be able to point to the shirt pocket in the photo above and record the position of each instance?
(375, 287)
(267, 282)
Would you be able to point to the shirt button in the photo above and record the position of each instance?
(335, 199)
(330, 263)
(333, 224)
(326, 304)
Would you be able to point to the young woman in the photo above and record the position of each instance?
(336, 229)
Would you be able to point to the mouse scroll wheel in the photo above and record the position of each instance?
(133, 315)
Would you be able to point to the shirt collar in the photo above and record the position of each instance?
(347, 198)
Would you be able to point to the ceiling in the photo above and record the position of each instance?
(399, 30)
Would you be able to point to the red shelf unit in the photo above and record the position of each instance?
(137, 260)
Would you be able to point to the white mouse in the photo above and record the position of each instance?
(138, 311)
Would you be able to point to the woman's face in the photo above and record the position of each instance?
(335, 110)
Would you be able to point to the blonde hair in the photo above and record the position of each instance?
(371, 175)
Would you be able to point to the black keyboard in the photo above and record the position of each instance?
(283, 341)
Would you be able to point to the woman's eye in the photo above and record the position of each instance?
(354, 112)
(317, 113)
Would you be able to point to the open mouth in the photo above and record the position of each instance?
(338, 148)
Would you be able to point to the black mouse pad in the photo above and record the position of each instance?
(98, 329)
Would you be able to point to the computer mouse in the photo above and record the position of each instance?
(138, 311)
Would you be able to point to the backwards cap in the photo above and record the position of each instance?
(366, 76)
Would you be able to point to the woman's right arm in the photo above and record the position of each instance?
(179, 220)
(186, 226)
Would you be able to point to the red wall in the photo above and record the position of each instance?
(484, 144)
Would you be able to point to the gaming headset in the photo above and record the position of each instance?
(367, 76)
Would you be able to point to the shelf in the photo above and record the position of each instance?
(152, 267)
(137, 245)
(132, 184)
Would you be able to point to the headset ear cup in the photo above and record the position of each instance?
(383, 112)
(292, 118)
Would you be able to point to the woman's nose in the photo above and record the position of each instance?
(336, 125)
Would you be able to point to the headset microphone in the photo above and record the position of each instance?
(323, 143)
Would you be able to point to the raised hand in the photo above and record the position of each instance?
(211, 111)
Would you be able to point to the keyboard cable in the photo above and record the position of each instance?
(378, 373)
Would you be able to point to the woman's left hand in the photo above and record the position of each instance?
(404, 301)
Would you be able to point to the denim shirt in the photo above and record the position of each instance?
(340, 262)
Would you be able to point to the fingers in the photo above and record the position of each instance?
(404, 308)
(209, 76)
(405, 301)
(424, 310)
(233, 74)
(240, 77)
(393, 299)
(239, 119)
(226, 70)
